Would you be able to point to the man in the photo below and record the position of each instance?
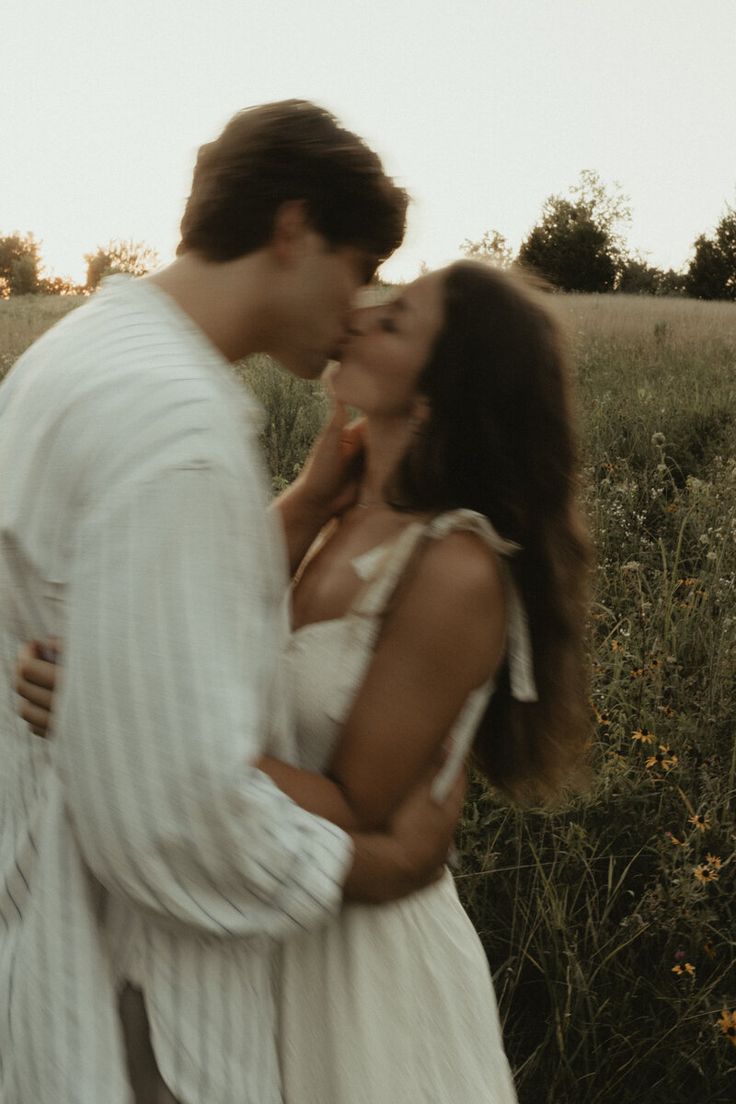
(141, 852)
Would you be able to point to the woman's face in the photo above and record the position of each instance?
(388, 347)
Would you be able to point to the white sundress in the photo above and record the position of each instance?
(390, 1004)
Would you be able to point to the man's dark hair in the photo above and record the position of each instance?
(291, 150)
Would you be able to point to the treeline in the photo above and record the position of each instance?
(21, 266)
(579, 244)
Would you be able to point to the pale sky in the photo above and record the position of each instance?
(481, 108)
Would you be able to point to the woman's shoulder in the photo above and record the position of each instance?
(460, 563)
(451, 604)
(470, 521)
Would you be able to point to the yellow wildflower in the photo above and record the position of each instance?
(701, 821)
(705, 873)
(663, 758)
(727, 1024)
(713, 861)
(643, 736)
(688, 968)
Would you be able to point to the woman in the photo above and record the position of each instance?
(444, 610)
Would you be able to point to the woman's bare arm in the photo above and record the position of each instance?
(444, 638)
(314, 792)
(325, 487)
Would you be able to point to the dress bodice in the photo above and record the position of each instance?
(325, 662)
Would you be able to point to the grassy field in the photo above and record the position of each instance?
(609, 922)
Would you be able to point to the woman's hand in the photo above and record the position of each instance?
(328, 480)
(327, 486)
(35, 681)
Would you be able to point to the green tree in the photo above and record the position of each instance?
(127, 257)
(638, 277)
(578, 244)
(20, 264)
(492, 247)
(672, 282)
(712, 271)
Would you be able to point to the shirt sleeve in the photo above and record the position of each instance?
(169, 649)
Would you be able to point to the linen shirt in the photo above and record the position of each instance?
(140, 843)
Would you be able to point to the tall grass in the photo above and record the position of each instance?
(608, 922)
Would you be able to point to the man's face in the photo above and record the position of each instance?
(319, 294)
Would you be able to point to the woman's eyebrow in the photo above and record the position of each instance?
(401, 305)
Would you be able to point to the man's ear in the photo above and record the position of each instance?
(291, 230)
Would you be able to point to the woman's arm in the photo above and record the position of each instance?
(314, 792)
(444, 638)
(325, 487)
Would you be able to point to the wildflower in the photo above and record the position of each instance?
(680, 954)
(662, 758)
(643, 736)
(727, 1024)
(658, 439)
(687, 969)
(637, 672)
(705, 873)
(667, 710)
(711, 555)
(616, 646)
(701, 821)
(674, 840)
(632, 565)
(601, 718)
(687, 582)
(714, 861)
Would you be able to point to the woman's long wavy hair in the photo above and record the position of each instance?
(500, 440)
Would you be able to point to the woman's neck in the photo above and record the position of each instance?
(386, 442)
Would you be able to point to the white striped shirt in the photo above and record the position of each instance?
(139, 843)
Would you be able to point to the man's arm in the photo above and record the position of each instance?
(168, 653)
